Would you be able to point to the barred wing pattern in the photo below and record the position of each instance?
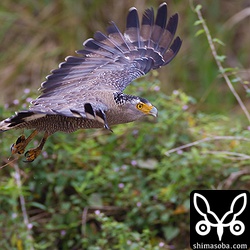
(109, 63)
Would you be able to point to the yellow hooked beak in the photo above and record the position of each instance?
(153, 111)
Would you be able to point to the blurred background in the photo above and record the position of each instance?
(90, 187)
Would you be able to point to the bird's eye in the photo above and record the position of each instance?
(139, 105)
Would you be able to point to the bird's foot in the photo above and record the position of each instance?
(32, 154)
(19, 146)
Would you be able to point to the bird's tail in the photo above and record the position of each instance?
(17, 120)
(152, 43)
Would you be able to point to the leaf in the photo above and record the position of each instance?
(231, 70)
(170, 232)
(221, 58)
(216, 40)
(147, 164)
(38, 205)
(19, 244)
(95, 200)
(180, 210)
(236, 79)
(199, 32)
(198, 7)
(198, 22)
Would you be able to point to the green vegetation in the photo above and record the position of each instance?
(129, 189)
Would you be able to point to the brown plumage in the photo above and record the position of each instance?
(87, 91)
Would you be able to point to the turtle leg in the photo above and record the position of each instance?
(21, 143)
(32, 154)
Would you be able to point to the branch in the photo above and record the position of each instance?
(188, 145)
(217, 60)
(234, 176)
(229, 155)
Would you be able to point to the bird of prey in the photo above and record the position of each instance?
(86, 91)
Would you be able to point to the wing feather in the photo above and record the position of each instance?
(108, 63)
(117, 37)
(159, 26)
(132, 33)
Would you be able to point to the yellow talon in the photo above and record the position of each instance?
(21, 143)
(32, 154)
(19, 146)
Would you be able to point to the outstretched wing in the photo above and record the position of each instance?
(110, 62)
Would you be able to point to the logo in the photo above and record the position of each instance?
(219, 218)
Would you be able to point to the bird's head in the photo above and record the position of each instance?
(135, 107)
(143, 107)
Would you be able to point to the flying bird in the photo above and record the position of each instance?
(86, 91)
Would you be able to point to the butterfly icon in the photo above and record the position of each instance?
(203, 227)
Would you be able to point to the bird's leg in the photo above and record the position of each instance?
(19, 146)
(33, 153)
